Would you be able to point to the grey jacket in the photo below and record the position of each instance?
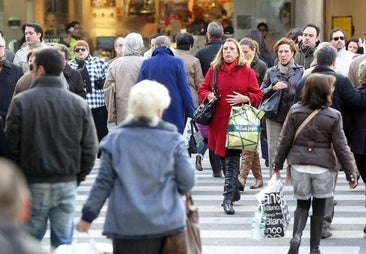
(320, 141)
(51, 133)
(143, 172)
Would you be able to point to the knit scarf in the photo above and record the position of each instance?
(85, 74)
(285, 68)
(230, 66)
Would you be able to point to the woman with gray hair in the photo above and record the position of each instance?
(144, 183)
(121, 76)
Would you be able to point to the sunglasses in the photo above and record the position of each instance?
(339, 37)
(77, 50)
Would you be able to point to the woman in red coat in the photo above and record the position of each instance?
(236, 84)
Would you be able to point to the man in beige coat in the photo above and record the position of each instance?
(191, 63)
(122, 75)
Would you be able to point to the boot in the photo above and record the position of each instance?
(300, 218)
(230, 187)
(257, 172)
(246, 165)
(316, 227)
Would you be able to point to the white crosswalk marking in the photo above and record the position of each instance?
(230, 234)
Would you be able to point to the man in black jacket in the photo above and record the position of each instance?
(52, 138)
(344, 97)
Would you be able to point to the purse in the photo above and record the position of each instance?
(271, 105)
(189, 240)
(195, 143)
(204, 112)
(244, 128)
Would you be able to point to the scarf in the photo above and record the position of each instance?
(285, 68)
(85, 74)
(230, 66)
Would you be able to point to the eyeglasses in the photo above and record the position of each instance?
(1, 46)
(338, 37)
(77, 50)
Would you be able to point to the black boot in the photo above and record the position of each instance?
(230, 187)
(316, 227)
(300, 218)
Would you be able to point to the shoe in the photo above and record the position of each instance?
(217, 174)
(199, 162)
(266, 163)
(257, 184)
(334, 202)
(241, 188)
(228, 208)
(326, 233)
(364, 229)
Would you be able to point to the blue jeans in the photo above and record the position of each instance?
(56, 202)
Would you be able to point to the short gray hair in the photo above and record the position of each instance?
(325, 54)
(162, 41)
(133, 44)
(146, 99)
(215, 29)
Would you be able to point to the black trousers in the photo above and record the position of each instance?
(100, 120)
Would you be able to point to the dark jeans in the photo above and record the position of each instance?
(100, 120)
(215, 162)
(146, 246)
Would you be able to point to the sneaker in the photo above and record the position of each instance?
(326, 233)
(199, 162)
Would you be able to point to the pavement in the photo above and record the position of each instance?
(230, 234)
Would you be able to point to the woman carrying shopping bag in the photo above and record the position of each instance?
(311, 138)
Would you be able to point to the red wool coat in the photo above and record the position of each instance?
(241, 79)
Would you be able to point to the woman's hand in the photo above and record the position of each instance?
(279, 86)
(237, 98)
(211, 97)
(83, 226)
(353, 182)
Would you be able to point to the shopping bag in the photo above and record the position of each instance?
(258, 223)
(244, 128)
(275, 208)
(91, 247)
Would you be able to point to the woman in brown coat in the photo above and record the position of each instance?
(312, 156)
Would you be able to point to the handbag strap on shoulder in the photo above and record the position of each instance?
(214, 81)
(305, 122)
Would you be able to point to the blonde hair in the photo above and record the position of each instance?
(219, 56)
(146, 101)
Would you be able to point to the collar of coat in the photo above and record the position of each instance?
(48, 81)
(145, 123)
(163, 50)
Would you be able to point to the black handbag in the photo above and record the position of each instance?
(271, 105)
(204, 112)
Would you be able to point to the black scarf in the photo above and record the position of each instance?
(84, 73)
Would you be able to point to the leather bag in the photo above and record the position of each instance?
(195, 143)
(204, 112)
(189, 240)
(272, 104)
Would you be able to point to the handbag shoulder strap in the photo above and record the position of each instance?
(214, 81)
(304, 123)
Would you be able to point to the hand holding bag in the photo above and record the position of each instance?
(272, 104)
(204, 112)
(244, 128)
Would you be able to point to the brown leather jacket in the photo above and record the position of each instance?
(319, 142)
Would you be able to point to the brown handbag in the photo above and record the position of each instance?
(189, 240)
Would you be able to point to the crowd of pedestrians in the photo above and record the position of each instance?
(56, 103)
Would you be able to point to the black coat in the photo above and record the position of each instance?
(8, 79)
(345, 96)
(208, 53)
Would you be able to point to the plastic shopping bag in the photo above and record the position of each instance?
(244, 128)
(90, 247)
(258, 224)
(275, 208)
